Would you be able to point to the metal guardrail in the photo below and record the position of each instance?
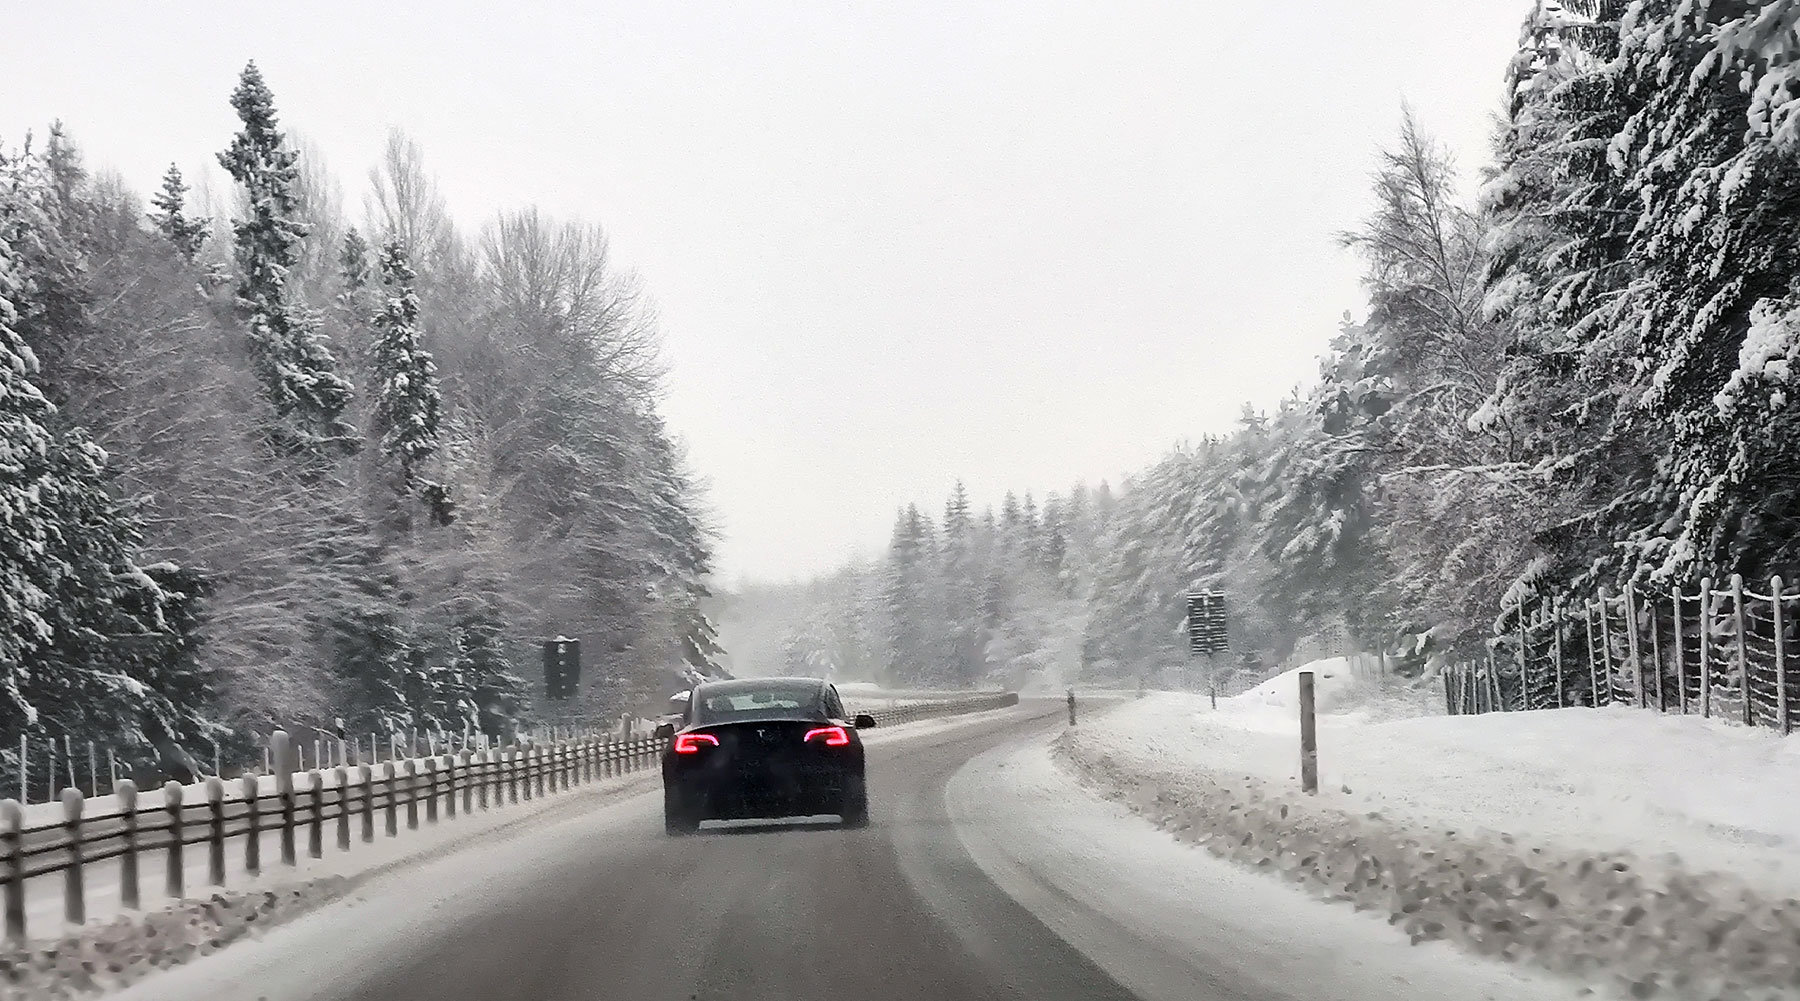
(303, 804)
(350, 800)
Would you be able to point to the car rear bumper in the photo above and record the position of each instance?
(765, 793)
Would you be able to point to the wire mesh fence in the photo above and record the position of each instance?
(1711, 651)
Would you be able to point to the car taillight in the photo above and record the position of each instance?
(831, 736)
(689, 743)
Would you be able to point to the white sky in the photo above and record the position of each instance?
(891, 244)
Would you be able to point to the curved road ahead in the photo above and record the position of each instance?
(602, 905)
(606, 906)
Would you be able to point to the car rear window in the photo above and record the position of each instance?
(717, 707)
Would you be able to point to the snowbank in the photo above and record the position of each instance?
(1649, 846)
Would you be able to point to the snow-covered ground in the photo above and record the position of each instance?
(1172, 923)
(1618, 841)
(1719, 796)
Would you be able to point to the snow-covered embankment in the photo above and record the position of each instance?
(1660, 855)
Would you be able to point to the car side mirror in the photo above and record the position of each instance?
(665, 731)
(863, 721)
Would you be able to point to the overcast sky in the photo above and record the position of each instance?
(891, 244)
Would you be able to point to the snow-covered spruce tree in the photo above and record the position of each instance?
(1712, 307)
(913, 610)
(71, 583)
(1558, 224)
(408, 406)
(298, 373)
(171, 219)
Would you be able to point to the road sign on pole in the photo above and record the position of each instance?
(562, 667)
(1206, 632)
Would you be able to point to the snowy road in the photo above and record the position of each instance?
(603, 905)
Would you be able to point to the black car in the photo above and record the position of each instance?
(763, 748)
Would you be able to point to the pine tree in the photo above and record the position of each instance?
(408, 407)
(298, 373)
(188, 235)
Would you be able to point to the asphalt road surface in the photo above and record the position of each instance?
(598, 903)
(608, 906)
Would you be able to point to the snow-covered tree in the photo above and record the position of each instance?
(298, 372)
(171, 218)
(408, 407)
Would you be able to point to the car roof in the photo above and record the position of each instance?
(757, 684)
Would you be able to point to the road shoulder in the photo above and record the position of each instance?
(1170, 921)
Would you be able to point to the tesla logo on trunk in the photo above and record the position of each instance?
(766, 734)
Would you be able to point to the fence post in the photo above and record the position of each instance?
(527, 759)
(1781, 693)
(1680, 652)
(1587, 615)
(1309, 737)
(12, 838)
(449, 760)
(1706, 647)
(1606, 655)
(1556, 650)
(541, 766)
(172, 805)
(215, 845)
(429, 766)
(1449, 702)
(315, 827)
(1631, 636)
(1524, 658)
(125, 794)
(411, 768)
(282, 753)
(1656, 662)
(252, 791)
(341, 775)
(1743, 653)
(74, 899)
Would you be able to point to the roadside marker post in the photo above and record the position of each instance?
(1309, 737)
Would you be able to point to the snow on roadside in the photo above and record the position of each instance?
(1646, 845)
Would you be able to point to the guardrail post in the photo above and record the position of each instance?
(392, 790)
(429, 766)
(410, 767)
(1781, 692)
(74, 899)
(1556, 651)
(315, 828)
(125, 794)
(12, 845)
(215, 845)
(341, 775)
(482, 776)
(509, 765)
(172, 884)
(252, 792)
(1309, 737)
(366, 773)
(282, 754)
(1743, 652)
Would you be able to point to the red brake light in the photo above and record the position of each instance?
(689, 743)
(835, 736)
